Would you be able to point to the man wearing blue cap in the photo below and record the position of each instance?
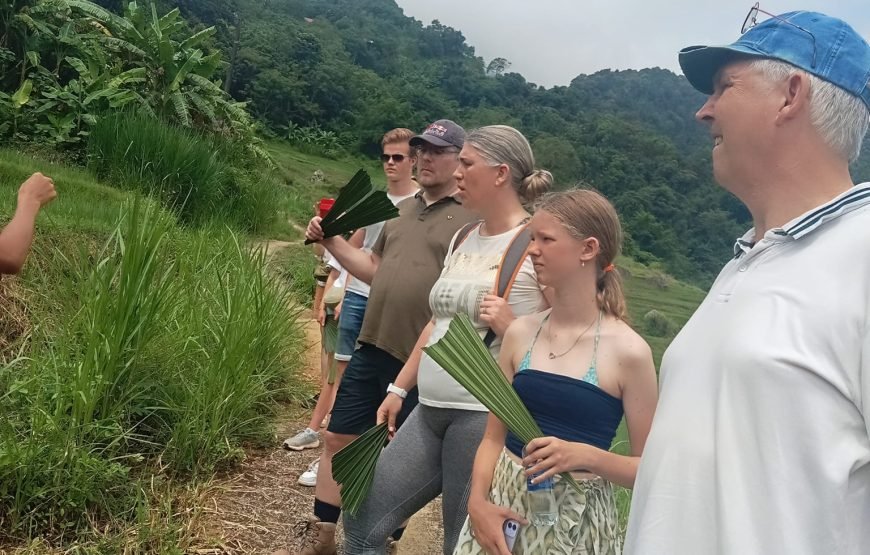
(760, 440)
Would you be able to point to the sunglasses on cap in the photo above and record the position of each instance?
(752, 20)
(396, 158)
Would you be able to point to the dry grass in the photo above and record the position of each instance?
(14, 318)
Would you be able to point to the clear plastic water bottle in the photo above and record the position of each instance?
(542, 501)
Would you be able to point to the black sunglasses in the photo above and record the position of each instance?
(396, 158)
(752, 20)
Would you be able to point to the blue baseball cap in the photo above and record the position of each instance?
(841, 55)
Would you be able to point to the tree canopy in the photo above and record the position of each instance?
(352, 69)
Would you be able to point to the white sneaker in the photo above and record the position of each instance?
(309, 477)
(306, 439)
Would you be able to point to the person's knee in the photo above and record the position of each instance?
(333, 442)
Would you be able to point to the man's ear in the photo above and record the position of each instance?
(796, 97)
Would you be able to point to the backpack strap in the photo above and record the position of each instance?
(464, 232)
(511, 263)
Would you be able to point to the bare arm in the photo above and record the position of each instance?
(360, 264)
(321, 309)
(639, 396)
(407, 380)
(356, 240)
(17, 237)
(486, 518)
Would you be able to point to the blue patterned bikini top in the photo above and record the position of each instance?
(566, 407)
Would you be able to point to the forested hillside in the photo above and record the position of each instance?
(336, 74)
(357, 67)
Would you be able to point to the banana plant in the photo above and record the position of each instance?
(178, 72)
(72, 108)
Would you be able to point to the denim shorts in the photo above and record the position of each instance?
(350, 320)
(363, 388)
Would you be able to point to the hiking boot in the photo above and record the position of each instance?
(392, 546)
(319, 537)
(306, 439)
(309, 477)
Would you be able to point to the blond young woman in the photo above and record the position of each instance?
(578, 367)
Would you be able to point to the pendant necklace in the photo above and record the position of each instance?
(553, 355)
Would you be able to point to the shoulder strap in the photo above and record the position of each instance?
(511, 262)
(464, 232)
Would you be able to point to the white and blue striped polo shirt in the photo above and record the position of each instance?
(760, 440)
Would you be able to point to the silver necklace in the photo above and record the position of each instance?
(553, 355)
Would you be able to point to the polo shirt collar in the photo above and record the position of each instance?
(419, 196)
(853, 199)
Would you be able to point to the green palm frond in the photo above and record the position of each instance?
(261, 153)
(170, 21)
(463, 355)
(135, 75)
(354, 467)
(357, 206)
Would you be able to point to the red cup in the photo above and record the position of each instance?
(325, 206)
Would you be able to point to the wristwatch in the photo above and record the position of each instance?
(397, 390)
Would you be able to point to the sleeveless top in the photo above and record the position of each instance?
(568, 408)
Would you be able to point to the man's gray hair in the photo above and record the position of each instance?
(840, 118)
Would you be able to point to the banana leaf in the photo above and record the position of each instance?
(357, 206)
(463, 355)
(354, 467)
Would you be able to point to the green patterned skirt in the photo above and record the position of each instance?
(587, 521)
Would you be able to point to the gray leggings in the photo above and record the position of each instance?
(411, 472)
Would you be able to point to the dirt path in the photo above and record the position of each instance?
(256, 507)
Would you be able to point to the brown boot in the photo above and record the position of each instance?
(319, 537)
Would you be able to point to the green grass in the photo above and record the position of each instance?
(296, 168)
(146, 353)
(648, 289)
(84, 204)
(200, 178)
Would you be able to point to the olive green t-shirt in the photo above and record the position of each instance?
(412, 249)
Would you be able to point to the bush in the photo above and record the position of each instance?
(199, 177)
(658, 325)
(661, 279)
(166, 347)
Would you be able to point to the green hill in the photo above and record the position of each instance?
(356, 68)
